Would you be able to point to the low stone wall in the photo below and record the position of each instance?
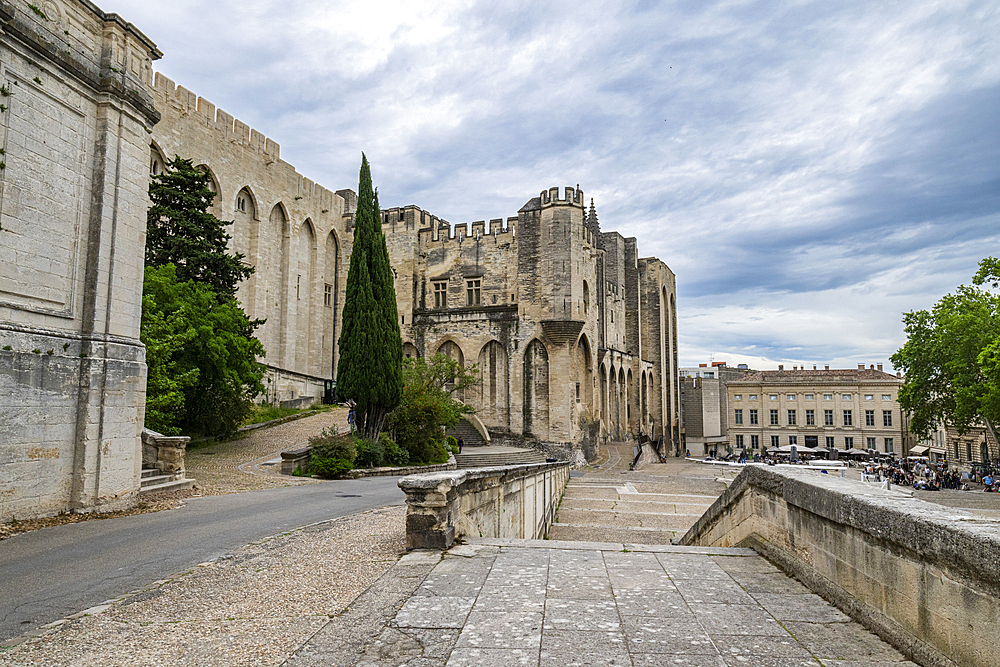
(507, 502)
(164, 452)
(297, 459)
(923, 577)
(300, 403)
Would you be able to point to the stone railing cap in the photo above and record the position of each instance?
(433, 480)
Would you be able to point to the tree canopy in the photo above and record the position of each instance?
(203, 371)
(951, 359)
(427, 408)
(181, 231)
(369, 371)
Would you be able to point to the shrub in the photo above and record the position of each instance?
(419, 423)
(329, 468)
(428, 452)
(370, 453)
(332, 454)
(393, 454)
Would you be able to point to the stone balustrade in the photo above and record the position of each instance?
(505, 502)
(924, 577)
(164, 452)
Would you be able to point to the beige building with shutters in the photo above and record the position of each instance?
(837, 409)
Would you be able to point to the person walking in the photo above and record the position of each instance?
(461, 443)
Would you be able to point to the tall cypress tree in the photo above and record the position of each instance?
(371, 350)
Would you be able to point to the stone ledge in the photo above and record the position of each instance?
(923, 577)
(502, 502)
(947, 537)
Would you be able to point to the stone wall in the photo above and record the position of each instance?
(296, 233)
(75, 124)
(515, 502)
(923, 577)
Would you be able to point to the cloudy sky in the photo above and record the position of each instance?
(809, 170)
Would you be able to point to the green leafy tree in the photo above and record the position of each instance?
(428, 408)
(203, 372)
(951, 358)
(371, 350)
(181, 231)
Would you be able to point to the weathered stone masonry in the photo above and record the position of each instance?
(75, 130)
(567, 324)
(574, 334)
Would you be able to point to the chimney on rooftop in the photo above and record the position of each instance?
(871, 367)
(781, 367)
(827, 367)
(861, 367)
(879, 366)
(814, 366)
(702, 365)
(898, 374)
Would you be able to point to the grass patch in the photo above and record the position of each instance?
(265, 413)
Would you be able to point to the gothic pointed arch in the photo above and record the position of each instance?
(494, 392)
(304, 295)
(157, 159)
(274, 253)
(452, 349)
(628, 399)
(535, 407)
(213, 184)
(583, 368)
(410, 351)
(331, 299)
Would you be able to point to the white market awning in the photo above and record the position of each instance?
(919, 450)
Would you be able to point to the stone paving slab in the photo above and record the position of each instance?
(541, 602)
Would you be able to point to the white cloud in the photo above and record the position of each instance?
(810, 170)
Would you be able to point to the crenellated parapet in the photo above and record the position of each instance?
(573, 197)
(441, 233)
(231, 130)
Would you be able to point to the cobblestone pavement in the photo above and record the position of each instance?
(536, 602)
(250, 608)
(248, 463)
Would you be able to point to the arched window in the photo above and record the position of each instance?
(157, 163)
(586, 297)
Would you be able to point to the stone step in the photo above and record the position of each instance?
(626, 534)
(468, 433)
(637, 519)
(149, 472)
(464, 460)
(154, 480)
(173, 485)
(663, 507)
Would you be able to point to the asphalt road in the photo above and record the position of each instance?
(51, 573)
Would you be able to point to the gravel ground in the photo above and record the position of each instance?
(254, 607)
(242, 464)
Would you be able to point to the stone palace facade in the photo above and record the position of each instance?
(574, 333)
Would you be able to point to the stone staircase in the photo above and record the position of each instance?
(611, 504)
(468, 433)
(152, 481)
(491, 455)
